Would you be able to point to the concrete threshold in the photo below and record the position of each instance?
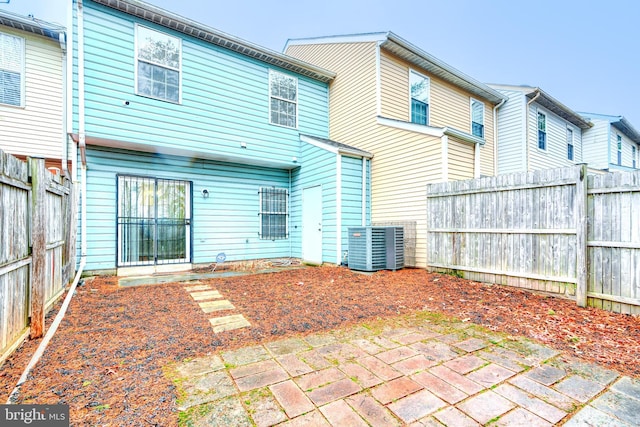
(187, 277)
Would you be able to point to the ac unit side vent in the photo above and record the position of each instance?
(376, 248)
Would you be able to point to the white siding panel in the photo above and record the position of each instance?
(595, 142)
(511, 133)
(36, 129)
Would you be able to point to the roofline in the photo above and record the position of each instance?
(619, 122)
(343, 149)
(203, 32)
(388, 38)
(550, 103)
(32, 25)
(482, 89)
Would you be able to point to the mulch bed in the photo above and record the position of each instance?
(106, 359)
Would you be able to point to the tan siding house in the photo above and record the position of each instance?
(413, 112)
(32, 115)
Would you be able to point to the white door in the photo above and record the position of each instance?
(312, 225)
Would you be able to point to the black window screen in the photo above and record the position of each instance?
(274, 213)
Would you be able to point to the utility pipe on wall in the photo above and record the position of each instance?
(526, 126)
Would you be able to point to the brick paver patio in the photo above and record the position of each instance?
(403, 372)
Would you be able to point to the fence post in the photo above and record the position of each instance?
(581, 234)
(38, 246)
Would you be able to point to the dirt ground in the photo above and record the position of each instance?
(106, 359)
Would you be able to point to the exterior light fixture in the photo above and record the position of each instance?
(205, 194)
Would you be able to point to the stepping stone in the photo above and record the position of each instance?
(197, 288)
(228, 323)
(205, 295)
(211, 306)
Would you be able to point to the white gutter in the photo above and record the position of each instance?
(526, 131)
(81, 131)
(495, 136)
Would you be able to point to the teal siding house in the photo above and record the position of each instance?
(192, 143)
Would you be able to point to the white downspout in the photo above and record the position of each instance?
(364, 192)
(476, 161)
(62, 39)
(338, 209)
(526, 164)
(81, 131)
(378, 82)
(445, 157)
(495, 136)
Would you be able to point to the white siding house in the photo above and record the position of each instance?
(611, 144)
(32, 90)
(536, 131)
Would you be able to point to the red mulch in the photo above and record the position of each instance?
(106, 359)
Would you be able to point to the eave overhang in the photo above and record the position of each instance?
(558, 108)
(200, 31)
(32, 25)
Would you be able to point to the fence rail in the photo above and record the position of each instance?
(37, 247)
(555, 230)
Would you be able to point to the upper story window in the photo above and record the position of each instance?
(634, 154)
(158, 62)
(619, 149)
(283, 95)
(569, 144)
(420, 88)
(11, 69)
(274, 213)
(542, 131)
(477, 118)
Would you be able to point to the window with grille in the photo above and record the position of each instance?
(477, 118)
(11, 69)
(419, 88)
(569, 144)
(619, 149)
(542, 131)
(158, 65)
(274, 213)
(283, 104)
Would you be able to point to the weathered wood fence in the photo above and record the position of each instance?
(555, 230)
(37, 247)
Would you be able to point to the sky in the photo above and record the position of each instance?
(585, 54)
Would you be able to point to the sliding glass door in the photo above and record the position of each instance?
(154, 221)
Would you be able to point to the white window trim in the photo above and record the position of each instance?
(135, 68)
(271, 72)
(619, 147)
(411, 70)
(471, 101)
(546, 130)
(23, 71)
(573, 142)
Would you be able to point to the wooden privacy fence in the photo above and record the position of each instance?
(37, 247)
(555, 230)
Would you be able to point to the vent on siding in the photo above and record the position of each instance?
(376, 248)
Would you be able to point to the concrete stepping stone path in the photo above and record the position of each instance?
(210, 300)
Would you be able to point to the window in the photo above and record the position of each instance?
(569, 144)
(274, 214)
(542, 131)
(11, 69)
(477, 118)
(419, 98)
(158, 65)
(619, 149)
(283, 99)
(633, 156)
